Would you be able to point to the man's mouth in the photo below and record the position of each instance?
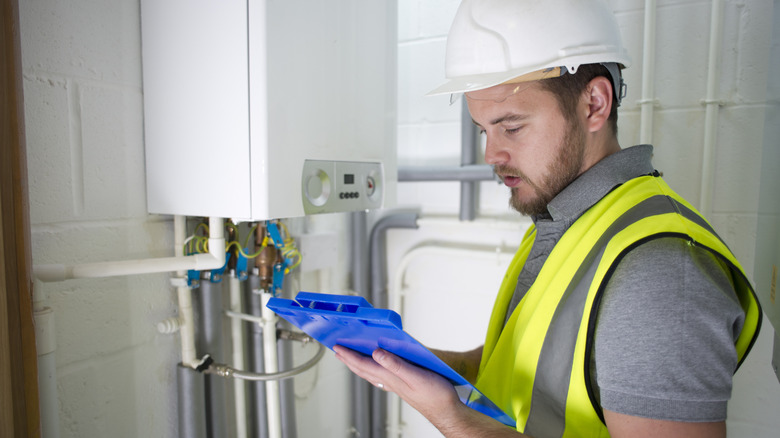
(511, 181)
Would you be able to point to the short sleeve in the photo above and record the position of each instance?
(665, 334)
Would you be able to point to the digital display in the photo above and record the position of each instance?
(349, 178)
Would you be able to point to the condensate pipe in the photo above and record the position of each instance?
(273, 401)
(199, 262)
(184, 296)
(712, 105)
(648, 75)
(46, 346)
(179, 263)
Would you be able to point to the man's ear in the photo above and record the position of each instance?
(598, 98)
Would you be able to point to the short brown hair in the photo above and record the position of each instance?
(568, 89)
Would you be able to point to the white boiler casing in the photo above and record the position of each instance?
(269, 109)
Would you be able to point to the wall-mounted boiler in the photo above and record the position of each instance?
(267, 109)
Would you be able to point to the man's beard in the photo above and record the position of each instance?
(564, 169)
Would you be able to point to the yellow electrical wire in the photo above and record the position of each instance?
(241, 250)
(200, 244)
(289, 250)
(249, 236)
(201, 225)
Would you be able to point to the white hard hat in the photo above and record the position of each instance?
(495, 41)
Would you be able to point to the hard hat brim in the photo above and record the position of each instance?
(464, 84)
(467, 83)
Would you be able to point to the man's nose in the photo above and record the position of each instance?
(495, 152)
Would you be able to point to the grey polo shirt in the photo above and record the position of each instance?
(669, 317)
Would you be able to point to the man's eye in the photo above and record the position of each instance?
(512, 130)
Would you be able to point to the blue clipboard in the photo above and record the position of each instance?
(353, 322)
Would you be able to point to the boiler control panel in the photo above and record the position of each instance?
(339, 186)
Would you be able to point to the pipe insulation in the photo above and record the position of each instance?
(191, 397)
(210, 340)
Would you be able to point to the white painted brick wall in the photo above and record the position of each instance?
(82, 85)
(83, 97)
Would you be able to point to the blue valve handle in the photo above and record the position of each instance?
(276, 236)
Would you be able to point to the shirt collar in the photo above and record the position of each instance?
(598, 181)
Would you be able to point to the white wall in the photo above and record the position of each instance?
(84, 127)
(83, 95)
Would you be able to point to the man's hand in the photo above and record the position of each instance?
(427, 392)
(424, 390)
(465, 363)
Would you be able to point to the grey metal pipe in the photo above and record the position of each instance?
(469, 190)
(287, 388)
(474, 172)
(284, 356)
(191, 397)
(377, 253)
(379, 299)
(359, 251)
(257, 409)
(359, 388)
(209, 340)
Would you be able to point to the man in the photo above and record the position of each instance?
(622, 314)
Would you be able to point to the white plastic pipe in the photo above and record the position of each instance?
(647, 102)
(239, 388)
(201, 262)
(273, 402)
(712, 104)
(395, 302)
(184, 293)
(184, 296)
(46, 346)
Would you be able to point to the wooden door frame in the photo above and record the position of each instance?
(19, 409)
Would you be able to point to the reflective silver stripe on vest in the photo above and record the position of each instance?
(546, 417)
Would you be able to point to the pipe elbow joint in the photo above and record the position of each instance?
(215, 258)
(52, 273)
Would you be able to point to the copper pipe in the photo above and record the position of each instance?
(265, 261)
(233, 260)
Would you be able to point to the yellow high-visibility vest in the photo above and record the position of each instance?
(536, 366)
